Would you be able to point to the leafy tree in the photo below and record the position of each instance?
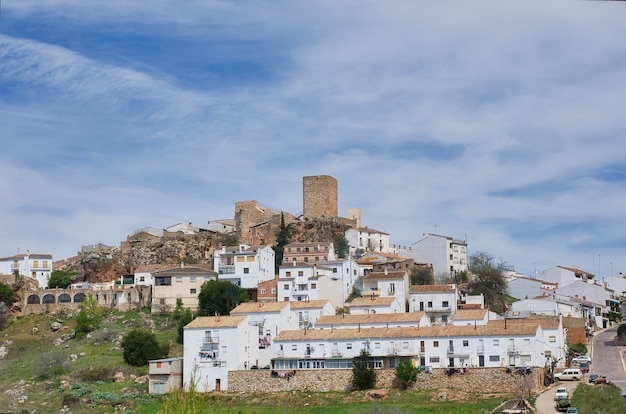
(579, 347)
(6, 294)
(178, 310)
(363, 375)
(140, 346)
(90, 315)
(60, 279)
(185, 317)
(487, 279)
(406, 373)
(220, 296)
(282, 239)
(421, 275)
(341, 246)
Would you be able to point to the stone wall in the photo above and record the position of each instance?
(476, 381)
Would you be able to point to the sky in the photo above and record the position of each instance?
(501, 123)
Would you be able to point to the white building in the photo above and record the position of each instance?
(244, 265)
(224, 226)
(438, 301)
(563, 276)
(496, 344)
(309, 312)
(309, 281)
(549, 305)
(269, 318)
(448, 256)
(375, 304)
(368, 240)
(387, 283)
(372, 320)
(34, 265)
(215, 345)
(349, 271)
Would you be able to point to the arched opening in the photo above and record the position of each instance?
(48, 298)
(65, 298)
(33, 300)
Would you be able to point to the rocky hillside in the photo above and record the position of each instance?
(105, 264)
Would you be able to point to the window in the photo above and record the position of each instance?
(142, 278)
(433, 360)
(552, 339)
(444, 318)
(300, 272)
(376, 345)
(430, 304)
(334, 270)
(349, 345)
(548, 354)
(306, 258)
(294, 347)
(444, 304)
(240, 259)
(494, 358)
(286, 286)
(405, 345)
(436, 344)
(192, 279)
(263, 291)
(35, 263)
(465, 342)
(207, 278)
(432, 318)
(249, 258)
(317, 259)
(313, 285)
(392, 287)
(298, 249)
(526, 342)
(192, 291)
(179, 279)
(273, 291)
(288, 274)
(496, 342)
(246, 270)
(45, 264)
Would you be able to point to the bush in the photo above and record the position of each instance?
(579, 347)
(96, 374)
(141, 346)
(6, 294)
(50, 364)
(185, 317)
(621, 330)
(406, 374)
(363, 375)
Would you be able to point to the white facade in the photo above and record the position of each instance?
(438, 301)
(36, 266)
(213, 346)
(368, 240)
(309, 312)
(268, 318)
(376, 304)
(244, 265)
(348, 270)
(224, 226)
(497, 344)
(307, 282)
(387, 283)
(550, 305)
(563, 276)
(448, 256)
(372, 320)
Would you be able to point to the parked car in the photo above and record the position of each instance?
(572, 410)
(570, 374)
(581, 359)
(561, 393)
(595, 377)
(562, 405)
(583, 367)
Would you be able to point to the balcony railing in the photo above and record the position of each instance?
(450, 350)
(210, 340)
(511, 349)
(226, 270)
(480, 349)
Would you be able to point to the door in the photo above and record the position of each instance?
(481, 360)
(218, 384)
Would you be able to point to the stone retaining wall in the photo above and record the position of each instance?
(476, 381)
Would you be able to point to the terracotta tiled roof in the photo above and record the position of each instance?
(301, 304)
(431, 288)
(369, 301)
(151, 268)
(30, 255)
(405, 317)
(369, 230)
(491, 329)
(259, 307)
(463, 314)
(574, 270)
(383, 275)
(216, 322)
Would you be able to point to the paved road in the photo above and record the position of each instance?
(545, 402)
(607, 357)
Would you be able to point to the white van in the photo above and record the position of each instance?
(570, 374)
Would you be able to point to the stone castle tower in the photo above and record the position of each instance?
(320, 194)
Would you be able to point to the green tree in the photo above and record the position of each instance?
(140, 346)
(185, 317)
(220, 296)
(282, 239)
(421, 275)
(363, 374)
(341, 246)
(6, 294)
(178, 310)
(406, 374)
(487, 279)
(60, 279)
(90, 315)
(579, 347)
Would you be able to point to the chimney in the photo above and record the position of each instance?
(386, 271)
(182, 265)
(293, 262)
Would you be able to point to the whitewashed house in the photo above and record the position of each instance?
(387, 283)
(375, 304)
(301, 281)
(448, 256)
(372, 320)
(368, 240)
(35, 265)
(245, 266)
(268, 318)
(549, 305)
(563, 276)
(215, 345)
(521, 287)
(348, 270)
(309, 311)
(438, 301)
(470, 317)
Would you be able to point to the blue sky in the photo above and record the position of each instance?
(502, 122)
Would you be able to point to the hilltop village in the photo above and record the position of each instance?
(316, 307)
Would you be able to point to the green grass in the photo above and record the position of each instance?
(599, 399)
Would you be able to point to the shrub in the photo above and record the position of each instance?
(6, 294)
(621, 330)
(406, 374)
(50, 364)
(96, 374)
(141, 346)
(579, 347)
(363, 375)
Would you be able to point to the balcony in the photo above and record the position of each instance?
(226, 270)
(335, 353)
(210, 340)
(450, 350)
(511, 349)
(480, 349)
